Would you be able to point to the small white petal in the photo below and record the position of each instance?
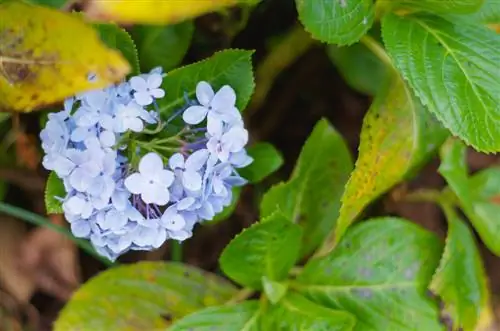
(154, 80)
(191, 180)
(135, 183)
(176, 161)
(194, 114)
(81, 229)
(107, 138)
(185, 203)
(150, 165)
(197, 160)
(214, 125)
(165, 178)
(157, 93)
(138, 83)
(225, 98)
(204, 93)
(143, 98)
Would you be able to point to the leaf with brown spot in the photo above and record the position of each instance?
(47, 55)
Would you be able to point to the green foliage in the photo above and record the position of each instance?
(266, 160)
(489, 12)
(50, 3)
(380, 267)
(241, 317)
(311, 197)
(340, 22)
(441, 6)
(460, 280)
(115, 37)
(453, 68)
(163, 46)
(143, 296)
(295, 312)
(266, 249)
(231, 67)
(397, 136)
(54, 189)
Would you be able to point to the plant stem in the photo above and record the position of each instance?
(242, 295)
(378, 50)
(42, 221)
(176, 251)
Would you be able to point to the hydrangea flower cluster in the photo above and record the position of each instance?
(133, 180)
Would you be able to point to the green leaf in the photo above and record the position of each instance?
(163, 46)
(311, 198)
(240, 317)
(53, 190)
(142, 296)
(265, 249)
(379, 273)
(115, 37)
(360, 68)
(274, 291)
(3, 189)
(266, 160)
(478, 195)
(340, 22)
(50, 3)
(295, 312)
(441, 6)
(460, 280)
(230, 67)
(397, 136)
(453, 68)
(489, 12)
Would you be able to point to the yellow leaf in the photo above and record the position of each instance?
(46, 56)
(154, 11)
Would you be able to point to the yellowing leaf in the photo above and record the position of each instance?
(154, 11)
(47, 55)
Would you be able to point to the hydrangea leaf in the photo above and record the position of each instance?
(311, 198)
(454, 70)
(478, 195)
(266, 160)
(398, 135)
(155, 11)
(441, 6)
(47, 55)
(115, 37)
(295, 312)
(163, 46)
(50, 3)
(230, 67)
(382, 265)
(489, 13)
(460, 280)
(274, 291)
(265, 249)
(340, 22)
(54, 188)
(240, 317)
(142, 296)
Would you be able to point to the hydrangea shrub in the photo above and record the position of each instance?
(142, 160)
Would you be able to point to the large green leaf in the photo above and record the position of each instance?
(54, 191)
(311, 198)
(115, 37)
(398, 135)
(50, 3)
(379, 273)
(142, 296)
(441, 6)
(230, 67)
(489, 12)
(266, 160)
(265, 249)
(295, 312)
(340, 22)
(478, 195)
(240, 317)
(454, 70)
(460, 280)
(163, 46)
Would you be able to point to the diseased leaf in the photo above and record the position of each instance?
(142, 296)
(295, 312)
(441, 6)
(230, 67)
(115, 37)
(379, 273)
(340, 22)
(460, 280)
(398, 135)
(478, 195)
(47, 55)
(155, 11)
(454, 70)
(163, 46)
(54, 190)
(266, 160)
(265, 249)
(311, 198)
(240, 317)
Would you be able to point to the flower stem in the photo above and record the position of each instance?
(176, 251)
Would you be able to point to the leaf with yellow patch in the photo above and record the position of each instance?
(398, 134)
(47, 55)
(155, 11)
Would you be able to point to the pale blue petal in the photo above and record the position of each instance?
(204, 93)
(197, 160)
(150, 165)
(194, 114)
(191, 180)
(176, 161)
(135, 183)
